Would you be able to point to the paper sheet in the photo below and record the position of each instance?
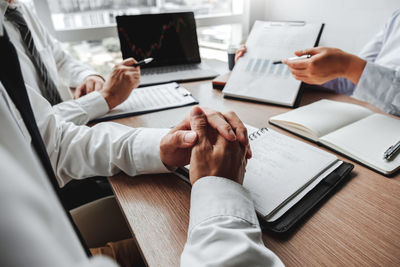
(322, 117)
(255, 77)
(367, 140)
(153, 98)
(282, 167)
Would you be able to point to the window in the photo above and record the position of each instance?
(220, 23)
(76, 14)
(73, 20)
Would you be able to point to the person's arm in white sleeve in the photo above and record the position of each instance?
(380, 86)
(369, 52)
(72, 73)
(82, 110)
(223, 229)
(105, 149)
(79, 151)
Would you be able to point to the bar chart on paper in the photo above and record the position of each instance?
(255, 77)
(264, 66)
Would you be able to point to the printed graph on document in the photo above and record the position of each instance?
(265, 66)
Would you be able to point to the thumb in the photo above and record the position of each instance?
(183, 139)
(309, 51)
(198, 123)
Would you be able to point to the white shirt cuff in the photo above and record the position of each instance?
(94, 105)
(146, 153)
(216, 196)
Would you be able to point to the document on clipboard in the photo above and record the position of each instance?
(150, 99)
(256, 78)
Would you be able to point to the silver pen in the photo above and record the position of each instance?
(391, 152)
(292, 58)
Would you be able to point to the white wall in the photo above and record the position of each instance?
(349, 23)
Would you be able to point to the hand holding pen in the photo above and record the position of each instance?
(321, 64)
(291, 59)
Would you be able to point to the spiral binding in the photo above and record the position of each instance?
(258, 133)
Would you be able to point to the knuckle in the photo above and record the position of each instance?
(230, 113)
(226, 127)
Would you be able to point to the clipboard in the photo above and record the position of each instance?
(255, 78)
(149, 99)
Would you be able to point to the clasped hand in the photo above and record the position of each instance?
(214, 143)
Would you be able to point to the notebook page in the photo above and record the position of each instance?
(153, 98)
(280, 167)
(321, 117)
(366, 140)
(255, 77)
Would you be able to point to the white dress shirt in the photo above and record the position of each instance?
(380, 81)
(63, 69)
(34, 230)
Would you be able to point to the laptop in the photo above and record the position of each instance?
(169, 38)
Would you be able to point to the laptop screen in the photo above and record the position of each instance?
(169, 38)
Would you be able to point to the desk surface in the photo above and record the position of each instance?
(359, 225)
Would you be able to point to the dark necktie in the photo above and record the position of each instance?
(13, 82)
(49, 91)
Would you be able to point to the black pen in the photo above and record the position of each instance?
(292, 58)
(143, 62)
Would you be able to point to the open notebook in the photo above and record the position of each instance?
(283, 171)
(256, 78)
(352, 130)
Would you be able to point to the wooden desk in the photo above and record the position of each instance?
(359, 225)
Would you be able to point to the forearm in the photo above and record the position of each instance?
(353, 68)
(106, 149)
(224, 230)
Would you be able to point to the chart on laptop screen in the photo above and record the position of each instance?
(169, 38)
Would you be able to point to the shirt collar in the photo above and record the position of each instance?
(4, 5)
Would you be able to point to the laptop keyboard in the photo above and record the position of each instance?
(169, 69)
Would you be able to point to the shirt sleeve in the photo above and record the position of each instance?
(369, 52)
(82, 110)
(340, 86)
(105, 149)
(223, 228)
(71, 71)
(380, 86)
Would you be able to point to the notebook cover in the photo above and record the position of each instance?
(322, 191)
